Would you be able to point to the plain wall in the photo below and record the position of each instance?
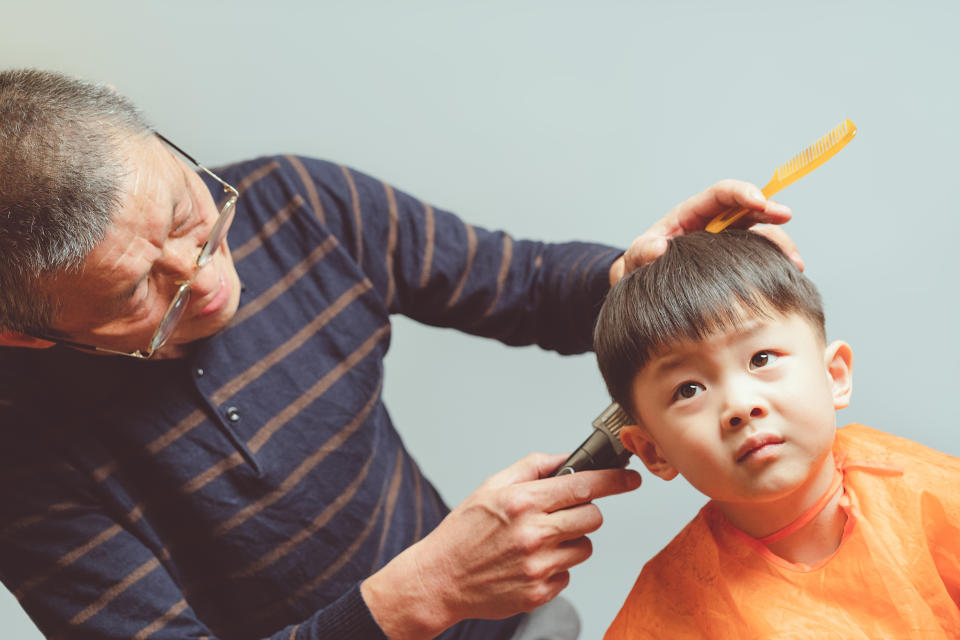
(573, 120)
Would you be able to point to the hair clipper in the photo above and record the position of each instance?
(603, 449)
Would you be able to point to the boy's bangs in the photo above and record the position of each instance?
(702, 285)
(693, 314)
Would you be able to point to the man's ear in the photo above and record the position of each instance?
(838, 359)
(13, 339)
(638, 441)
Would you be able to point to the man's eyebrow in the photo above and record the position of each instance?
(127, 293)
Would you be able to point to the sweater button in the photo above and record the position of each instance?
(233, 414)
(200, 372)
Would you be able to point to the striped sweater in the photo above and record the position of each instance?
(245, 491)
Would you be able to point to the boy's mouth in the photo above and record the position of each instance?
(757, 444)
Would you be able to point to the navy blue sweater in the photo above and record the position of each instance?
(246, 490)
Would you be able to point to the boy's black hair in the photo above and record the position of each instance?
(703, 284)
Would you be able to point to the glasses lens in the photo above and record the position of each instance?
(171, 317)
(219, 231)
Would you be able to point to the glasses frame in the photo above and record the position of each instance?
(171, 316)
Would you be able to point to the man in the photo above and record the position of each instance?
(190, 393)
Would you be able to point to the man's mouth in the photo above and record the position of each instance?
(219, 299)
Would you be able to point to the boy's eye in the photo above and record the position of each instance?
(687, 390)
(762, 359)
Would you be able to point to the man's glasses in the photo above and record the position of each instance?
(182, 298)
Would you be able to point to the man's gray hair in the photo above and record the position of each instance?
(61, 172)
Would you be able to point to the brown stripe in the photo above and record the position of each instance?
(357, 217)
(502, 275)
(318, 389)
(194, 418)
(315, 525)
(185, 425)
(310, 186)
(232, 387)
(348, 553)
(78, 552)
(67, 559)
(115, 591)
(274, 424)
(301, 471)
(268, 229)
(281, 286)
(471, 252)
(197, 417)
(392, 494)
(255, 175)
(162, 621)
(240, 381)
(210, 474)
(345, 557)
(391, 244)
(428, 240)
(27, 521)
(102, 472)
(293, 633)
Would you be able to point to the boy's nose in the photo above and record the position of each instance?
(738, 418)
(741, 410)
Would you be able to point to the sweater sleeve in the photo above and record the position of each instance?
(79, 569)
(429, 265)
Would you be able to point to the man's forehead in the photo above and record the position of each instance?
(149, 187)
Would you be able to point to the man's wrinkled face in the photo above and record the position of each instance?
(118, 297)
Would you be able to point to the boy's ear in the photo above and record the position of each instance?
(14, 339)
(638, 441)
(838, 359)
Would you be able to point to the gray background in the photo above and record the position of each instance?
(574, 120)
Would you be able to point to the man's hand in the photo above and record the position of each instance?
(507, 548)
(694, 214)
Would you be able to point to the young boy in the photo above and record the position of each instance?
(717, 350)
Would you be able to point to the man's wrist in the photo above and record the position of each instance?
(402, 604)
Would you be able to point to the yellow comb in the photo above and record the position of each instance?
(802, 164)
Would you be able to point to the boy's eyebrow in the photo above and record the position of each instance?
(669, 363)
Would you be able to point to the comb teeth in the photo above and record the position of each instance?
(612, 419)
(835, 136)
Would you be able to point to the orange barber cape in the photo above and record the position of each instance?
(896, 573)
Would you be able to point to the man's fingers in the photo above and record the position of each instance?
(644, 250)
(574, 522)
(532, 467)
(568, 554)
(786, 244)
(562, 492)
(773, 213)
(698, 210)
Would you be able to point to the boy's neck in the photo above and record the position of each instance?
(814, 541)
(818, 539)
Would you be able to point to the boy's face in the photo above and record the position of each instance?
(746, 415)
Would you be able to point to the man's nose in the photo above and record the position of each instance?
(179, 261)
